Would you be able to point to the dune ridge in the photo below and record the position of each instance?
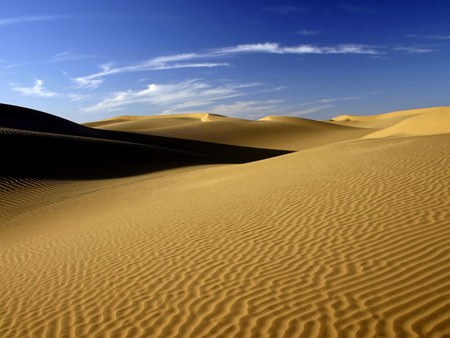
(344, 239)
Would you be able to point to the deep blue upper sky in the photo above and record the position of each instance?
(87, 60)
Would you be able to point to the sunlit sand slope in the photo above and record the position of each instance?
(345, 240)
(434, 121)
(382, 121)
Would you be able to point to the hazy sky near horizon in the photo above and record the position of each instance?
(88, 60)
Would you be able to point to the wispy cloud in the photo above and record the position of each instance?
(158, 63)
(194, 95)
(306, 32)
(428, 37)
(334, 99)
(187, 60)
(24, 19)
(69, 56)
(171, 98)
(57, 58)
(250, 109)
(88, 82)
(275, 48)
(414, 49)
(323, 102)
(310, 110)
(37, 90)
(12, 65)
(76, 97)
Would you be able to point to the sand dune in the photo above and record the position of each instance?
(380, 121)
(272, 132)
(415, 122)
(345, 239)
(429, 122)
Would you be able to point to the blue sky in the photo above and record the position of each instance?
(88, 60)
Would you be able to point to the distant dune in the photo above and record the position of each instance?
(199, 225)
(272, 132)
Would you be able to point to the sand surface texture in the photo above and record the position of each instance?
(347, 237)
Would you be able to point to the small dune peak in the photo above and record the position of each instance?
(284, 119)
(343, 118)
(205, 117)
(208, 117)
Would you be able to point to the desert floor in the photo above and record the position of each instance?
(282, 227)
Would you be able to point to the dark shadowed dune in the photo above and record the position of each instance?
(37, 144)
(47, 155)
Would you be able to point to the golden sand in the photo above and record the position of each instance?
(348, 237)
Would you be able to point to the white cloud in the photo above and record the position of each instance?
(218, 98)
(253, 109)
(37, 90)
(275, 48)
(60, 57)
(12, 65)
(62, 54)
(22, 19)
(310, 110)
(179, 60)
(69, 56)
(176, 57)
(158, 63)
(414, 49)
(87, 82)
(327, 100)
(334, 99)
(267, 47)
(76, 97)
(321, 104)
(171, 98)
